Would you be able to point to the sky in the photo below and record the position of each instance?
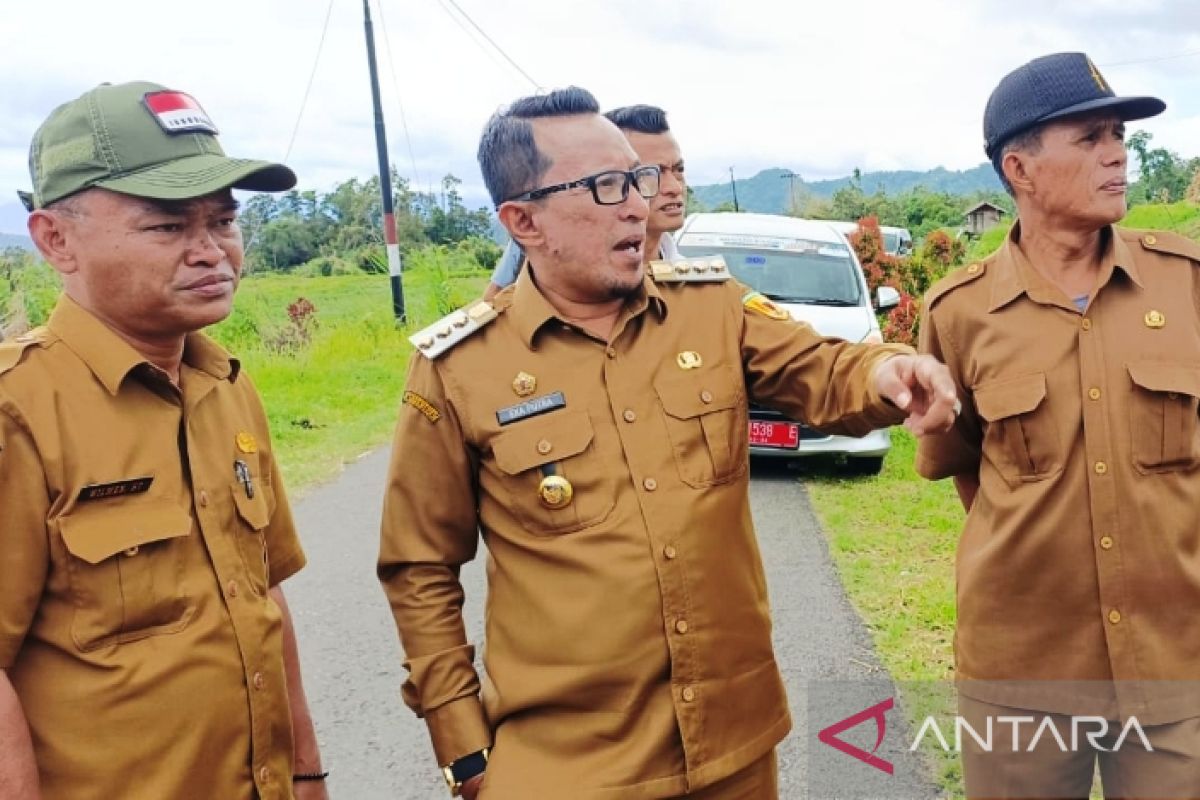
(748, 84)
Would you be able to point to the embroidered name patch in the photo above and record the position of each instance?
(531, 408)
(424, 406)
(100, 491)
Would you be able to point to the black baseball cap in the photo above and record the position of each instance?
(1052, 87)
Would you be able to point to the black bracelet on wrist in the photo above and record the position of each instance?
(310, 776)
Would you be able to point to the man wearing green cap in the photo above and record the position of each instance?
(1076, 349)
(146, 649)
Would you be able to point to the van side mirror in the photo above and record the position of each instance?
(886, 297)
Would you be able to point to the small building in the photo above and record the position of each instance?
(982, 217)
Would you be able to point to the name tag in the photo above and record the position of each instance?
(99, 491)
(531, 408)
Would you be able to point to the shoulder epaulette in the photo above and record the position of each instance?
(11, 350)
(709, 269)
(952, 280)
(448, 331)
(1168, 242)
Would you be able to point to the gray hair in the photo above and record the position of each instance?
(508, 156)
(1027, 141)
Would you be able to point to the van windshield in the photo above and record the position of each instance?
(792, 277)
(891, 243)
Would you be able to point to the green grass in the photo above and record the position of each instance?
(336, 397)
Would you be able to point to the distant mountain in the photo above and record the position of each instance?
(8, 240)
(768, 191)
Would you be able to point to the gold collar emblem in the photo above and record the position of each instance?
(246, 442)
(689, 359)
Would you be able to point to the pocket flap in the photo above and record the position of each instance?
(1160, 376)
(1008, 397)
(251, 509)
(689, 396)
(95, 531)
(542, 440)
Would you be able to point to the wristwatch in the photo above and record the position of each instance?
(459, 772)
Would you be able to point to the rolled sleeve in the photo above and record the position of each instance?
(24, 552)
(429, 530)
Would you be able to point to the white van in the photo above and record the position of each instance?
(807, 267)
(896, 241)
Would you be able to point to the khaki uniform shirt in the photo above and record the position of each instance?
(628, 633)
(134, 619)
(1080, 559)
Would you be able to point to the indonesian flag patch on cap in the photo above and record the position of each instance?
(178, 112)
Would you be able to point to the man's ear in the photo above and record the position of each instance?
(52, 232)
(1016, 166)
(521, 223)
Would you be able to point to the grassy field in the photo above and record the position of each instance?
(336, 396)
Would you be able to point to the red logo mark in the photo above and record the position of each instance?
(876, 712)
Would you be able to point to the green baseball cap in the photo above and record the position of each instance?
(139, 139)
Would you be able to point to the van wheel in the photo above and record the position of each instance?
(867, 465)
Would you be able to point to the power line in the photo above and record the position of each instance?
(1188, 54)
(474, 39)
(387, 42)
(499, 49)
(312, 76)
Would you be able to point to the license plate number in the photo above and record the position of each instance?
(784, 435)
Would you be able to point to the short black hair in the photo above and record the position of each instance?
(508, 156)
(640, 119)
(1027, 141)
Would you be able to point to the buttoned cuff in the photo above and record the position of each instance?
(458, 729)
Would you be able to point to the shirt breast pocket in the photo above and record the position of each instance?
(559, 444)
(707, 424)
(253, 516)
(1021, 438)
(1163, 416)
(125, 568)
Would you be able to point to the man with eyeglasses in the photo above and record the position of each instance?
(593, 425)
(650, 136)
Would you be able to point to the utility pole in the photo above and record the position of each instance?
(791, 176)
(733, 185)
(385, 177)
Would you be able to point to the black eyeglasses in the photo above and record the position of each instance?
(608, 188)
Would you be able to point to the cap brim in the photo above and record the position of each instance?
(1127, 108)
(200, 175)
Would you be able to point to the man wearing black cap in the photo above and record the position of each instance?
(1076, 348)
(145, 646)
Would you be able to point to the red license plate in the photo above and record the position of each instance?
(784, 435)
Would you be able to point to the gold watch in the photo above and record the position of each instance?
(463, 769)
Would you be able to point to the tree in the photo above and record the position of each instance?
(1163, 176)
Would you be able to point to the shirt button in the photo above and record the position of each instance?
(544, 447)
(131, 551)
(706, 396)
(650, 484)
(1101, 468)
(689, 694)
(611, 353)
(669, 552)
(203, 499)
(1086, 324)
(681, 626)
(264, 775)
(231, 589)
(629, 415)
(973, 269)
(1150, 239)
(1172, 396)
(1106, 542)
(1114, 616)
(1094, 393)
(259, 681)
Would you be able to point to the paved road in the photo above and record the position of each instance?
(377, 749)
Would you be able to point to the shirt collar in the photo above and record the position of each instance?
(530, 309)
(111, 358)
(1015, 275)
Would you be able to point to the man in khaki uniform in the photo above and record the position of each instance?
(1076, 348)
(146, 650)
(593, 425)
